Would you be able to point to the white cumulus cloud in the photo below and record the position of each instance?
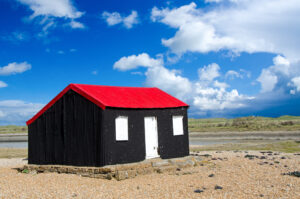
(240, 26)
(268, 80)
(2, 84)
(47, 11)
(205, 94)
(296, 83)
(209, 73)
(17, 111)
(54, 8)
(115, 18)
(232, 74)
(76, 25)
(14, 68)
(134, 61)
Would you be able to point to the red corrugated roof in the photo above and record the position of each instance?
(119, 97)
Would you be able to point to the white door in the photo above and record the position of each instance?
(151, 137)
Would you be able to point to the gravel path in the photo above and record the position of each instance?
(234, 176)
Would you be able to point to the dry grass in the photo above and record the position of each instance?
(283, 123)
(9, 129)
(12, 152)
(281, 146)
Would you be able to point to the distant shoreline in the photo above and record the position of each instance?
(14, 137)
(234, 135)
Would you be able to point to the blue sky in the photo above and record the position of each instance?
(226, 58)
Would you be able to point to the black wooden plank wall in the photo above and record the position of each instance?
(68, 133)
(74, 131)
(133, 150)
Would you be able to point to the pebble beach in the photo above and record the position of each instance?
(235, 174)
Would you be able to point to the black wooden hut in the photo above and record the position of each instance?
(89, 125)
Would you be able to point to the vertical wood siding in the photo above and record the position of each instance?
(74, 131)
(68, 133)
(133, 150)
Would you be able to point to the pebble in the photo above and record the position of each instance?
(211, 175)
(294, 173)
(260, 163)
(218, 187)
(198, 191)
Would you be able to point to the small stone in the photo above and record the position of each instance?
(271, 164)
(294, 173)
(218, 187)
(260, 163)
(211, 175)
(250, 157)
(285, 166)
(214, 158)
(198, 191)
(277, 162)
(137, 187)
(283, 157)
(263, 157)
(74, 195)
(161, 163)
(187, 173)
(261, 195)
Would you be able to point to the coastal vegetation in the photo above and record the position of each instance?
(251, 123)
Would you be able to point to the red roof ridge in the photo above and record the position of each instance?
(75, 84)
(103, 97)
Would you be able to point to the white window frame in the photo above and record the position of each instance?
(177, 121)
(121, 124)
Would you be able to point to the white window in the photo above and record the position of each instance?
(177, 125)
(122, 128)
